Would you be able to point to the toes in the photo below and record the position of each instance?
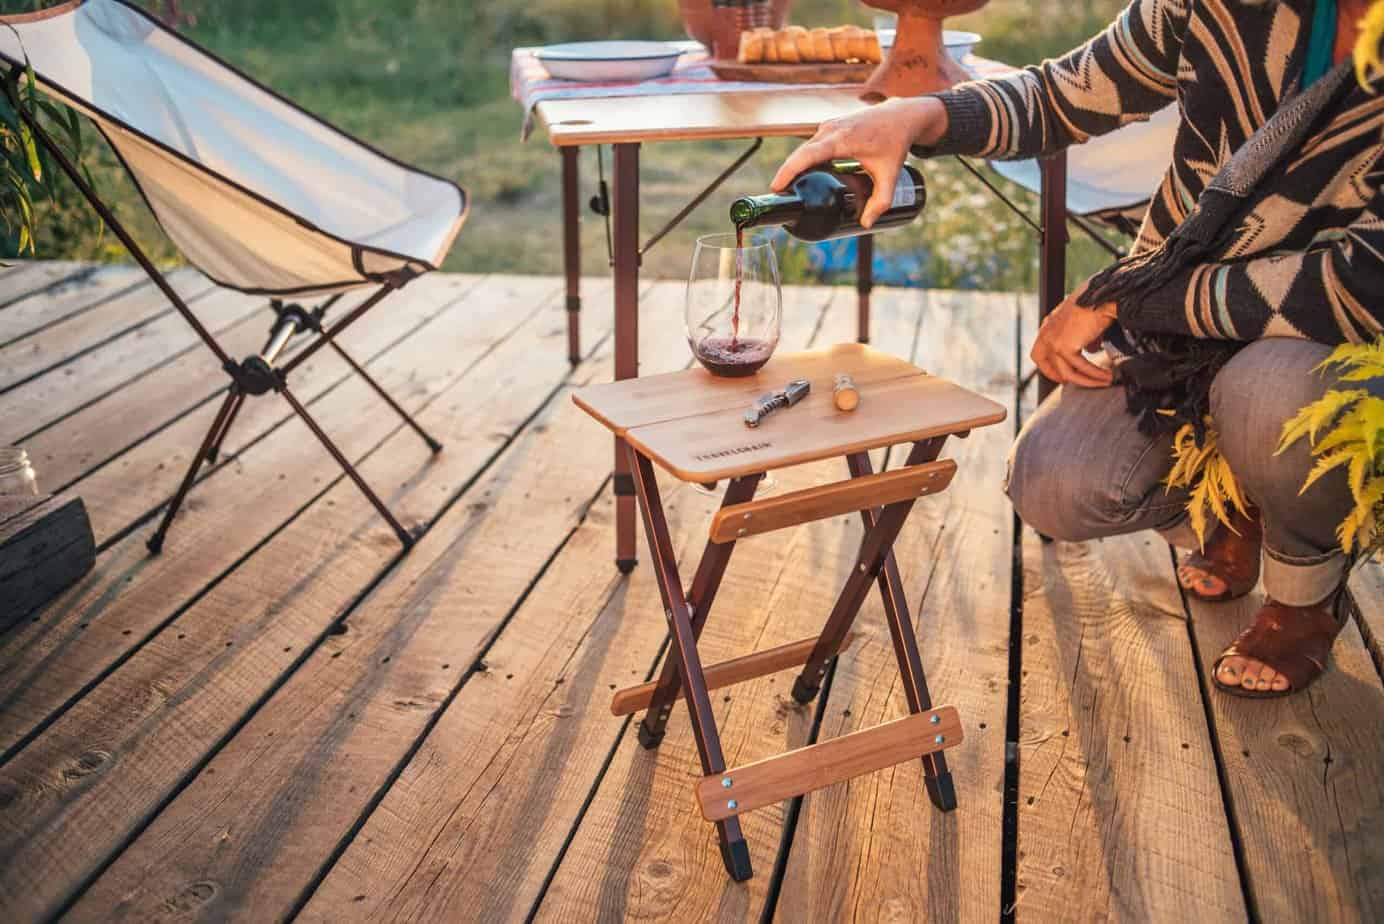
(1277, 682)
(1231, 671)
(1249, 675)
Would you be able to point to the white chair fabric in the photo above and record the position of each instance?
(257, 193)
(1111, 176)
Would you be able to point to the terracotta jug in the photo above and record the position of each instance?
(697, 19)
(918, 63)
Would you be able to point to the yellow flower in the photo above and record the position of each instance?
(1367, 46)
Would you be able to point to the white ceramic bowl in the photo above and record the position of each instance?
(959, 44)
(598, 61)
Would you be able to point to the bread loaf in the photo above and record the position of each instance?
(796, 45)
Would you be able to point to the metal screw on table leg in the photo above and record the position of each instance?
(726, 782)
(732, 804)
(940, 739)
(936, 720)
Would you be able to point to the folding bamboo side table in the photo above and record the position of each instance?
(691, 423)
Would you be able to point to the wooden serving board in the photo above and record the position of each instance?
(807, 72)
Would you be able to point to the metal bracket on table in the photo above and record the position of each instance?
(1079, 220)
(600, 203)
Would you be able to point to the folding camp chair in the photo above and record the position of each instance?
(258, 194)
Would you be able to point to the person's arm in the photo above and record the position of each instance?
(1125, 74)
(1328, 293)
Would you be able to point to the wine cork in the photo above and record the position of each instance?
(846, 395)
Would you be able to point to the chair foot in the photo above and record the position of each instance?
(155, 544)
(626, 565)
(434, 445)
(942, 791)
(803, 692)
(649, 740)
(736, 856)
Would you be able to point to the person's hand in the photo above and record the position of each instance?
(879, 138)
(1067, 331)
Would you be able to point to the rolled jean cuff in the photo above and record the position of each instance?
(1303, 582)
(1180, 534)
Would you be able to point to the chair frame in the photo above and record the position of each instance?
(259, 373)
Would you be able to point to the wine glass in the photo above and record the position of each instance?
(733, 303)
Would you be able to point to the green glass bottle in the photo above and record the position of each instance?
(824, 203)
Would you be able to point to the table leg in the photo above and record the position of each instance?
(735, 854)
(864, 282)
(1052, 261)
(938, 780)
(625, 246)
(702, 594)
(571, 249)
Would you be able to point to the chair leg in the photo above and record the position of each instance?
(214, 452)
(218, 423)
(359, 370)
(404, 535)
(735, 852)
(705, 583)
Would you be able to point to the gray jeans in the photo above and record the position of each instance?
(1081, 469)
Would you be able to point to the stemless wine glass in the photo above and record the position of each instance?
(733, 303)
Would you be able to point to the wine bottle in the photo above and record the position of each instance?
(825, 203)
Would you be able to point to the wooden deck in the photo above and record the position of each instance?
(283, 717)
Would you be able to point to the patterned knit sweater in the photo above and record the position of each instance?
(1306, 258)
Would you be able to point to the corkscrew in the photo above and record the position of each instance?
(787, 396)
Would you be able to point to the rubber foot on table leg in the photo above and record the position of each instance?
(648, 739)
(736, 856)
(803, 692)
(941, 791)
(626, 565)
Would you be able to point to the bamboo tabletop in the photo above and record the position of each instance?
(692, 423)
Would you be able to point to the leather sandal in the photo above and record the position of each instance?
(1292, 640)
(1231, 556)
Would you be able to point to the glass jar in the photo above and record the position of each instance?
(16, 474)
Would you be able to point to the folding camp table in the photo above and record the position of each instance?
(258, 194)
(691, 424)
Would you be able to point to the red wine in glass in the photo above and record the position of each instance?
(733, 357)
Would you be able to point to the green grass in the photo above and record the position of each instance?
(427, 81)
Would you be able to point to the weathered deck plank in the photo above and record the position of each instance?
(1305, 777)
(877, 848)
(60, 341)
(71, 294)
(240, 639)
(1120, 810)
(130, 594)
(22, 278)
(88, 377)
(1367, 587)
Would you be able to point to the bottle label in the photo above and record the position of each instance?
(905, 193)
